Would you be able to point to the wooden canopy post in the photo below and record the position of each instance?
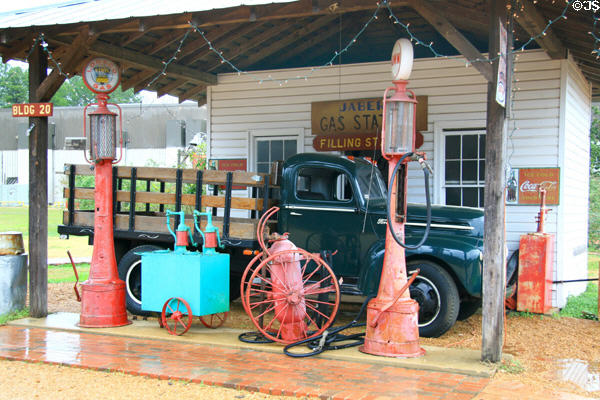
(494, 275)
(38, 192)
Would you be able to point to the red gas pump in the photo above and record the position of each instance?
(392, 317)
(103, 294)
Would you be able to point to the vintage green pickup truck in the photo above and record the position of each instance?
(326, 202)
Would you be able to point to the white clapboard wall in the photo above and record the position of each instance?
(242, 108)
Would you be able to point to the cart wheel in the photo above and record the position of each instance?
(176, 316)
(213, 321)
(269, 300)
(246, 275)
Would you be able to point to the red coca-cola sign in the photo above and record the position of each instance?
(524, 185)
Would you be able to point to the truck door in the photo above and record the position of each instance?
(321, 213)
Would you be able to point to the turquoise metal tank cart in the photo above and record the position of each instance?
(181, 284)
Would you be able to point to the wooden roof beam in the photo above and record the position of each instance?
(534, 23)
(188, 94)
(169, 87)
(291, 38)
(453, 36)
(250, 44)
(146, 62)
(165, 41)
(75, 54)
(136, 79)
(226, 33)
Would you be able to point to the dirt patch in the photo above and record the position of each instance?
(536, 342)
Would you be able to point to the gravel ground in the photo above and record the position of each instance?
(538, 343)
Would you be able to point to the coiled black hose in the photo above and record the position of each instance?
(427, 200)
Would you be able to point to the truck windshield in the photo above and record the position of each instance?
(370, 183)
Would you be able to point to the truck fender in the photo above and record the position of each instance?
(370, 274)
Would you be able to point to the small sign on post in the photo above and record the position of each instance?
(32, 110)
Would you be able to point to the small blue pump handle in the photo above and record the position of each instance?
(181, 227)
(209, 225)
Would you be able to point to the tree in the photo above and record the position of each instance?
(595, 142)
(14, 88)
(13, 85)
(73, 92)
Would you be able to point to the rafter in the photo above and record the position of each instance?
(136, 79)
(166, 40)
(169, 87)
(143, 61)
(75, 54)
(188, 94)
(535, 24)
(453, 36)
(291, 38)
(250, 44)
(227, 35)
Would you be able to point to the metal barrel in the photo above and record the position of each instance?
(13, 272)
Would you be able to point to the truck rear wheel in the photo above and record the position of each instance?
(130, 271)
(437, 295)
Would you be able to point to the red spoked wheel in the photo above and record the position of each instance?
(176, 316)
(214, 321)
(246, 276)
(292, 295)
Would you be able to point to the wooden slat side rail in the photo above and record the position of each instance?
(238, 228)
(239, 203)
(210, 177)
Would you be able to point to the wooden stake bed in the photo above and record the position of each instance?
(168, 188)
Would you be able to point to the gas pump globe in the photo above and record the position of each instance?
(392, 317)
(103, 294)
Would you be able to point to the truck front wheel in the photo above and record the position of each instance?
(437, 295)
(130, 271)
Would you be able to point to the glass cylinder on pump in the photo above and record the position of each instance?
(103, 134)
(399, 124)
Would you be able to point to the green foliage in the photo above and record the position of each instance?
(14, 84)
(583, 305)
(4, 318)
(511, 365)
(64, 273)
(594, 214)
(595, 142)
(73, 92)
(14, 88)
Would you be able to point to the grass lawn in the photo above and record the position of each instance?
(587, 302)
(17, 219)
(64, 273)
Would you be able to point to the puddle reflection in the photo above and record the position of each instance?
(584, 374)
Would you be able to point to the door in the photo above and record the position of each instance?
(322, 214)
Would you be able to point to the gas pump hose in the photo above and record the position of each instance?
(425, 168)
(327, 340)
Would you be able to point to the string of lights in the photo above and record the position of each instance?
(337, 53)
(596, 50)
(173, 58)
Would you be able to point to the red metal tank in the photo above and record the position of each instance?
(288, 291)
(536, 262)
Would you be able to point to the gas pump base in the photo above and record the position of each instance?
(99, 301)
(396, 330)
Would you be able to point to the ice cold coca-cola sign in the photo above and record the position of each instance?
(531, 180)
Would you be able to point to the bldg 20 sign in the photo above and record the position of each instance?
(524, 184)
(353, 124)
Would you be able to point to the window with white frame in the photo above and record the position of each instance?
(464, 167)
(273, 149)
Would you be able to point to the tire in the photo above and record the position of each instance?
(131, 273)
(437, 295)
(468, 308)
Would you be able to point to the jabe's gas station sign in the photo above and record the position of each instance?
(343, 125)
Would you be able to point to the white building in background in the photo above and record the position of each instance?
(548, 129)
(153, 135)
